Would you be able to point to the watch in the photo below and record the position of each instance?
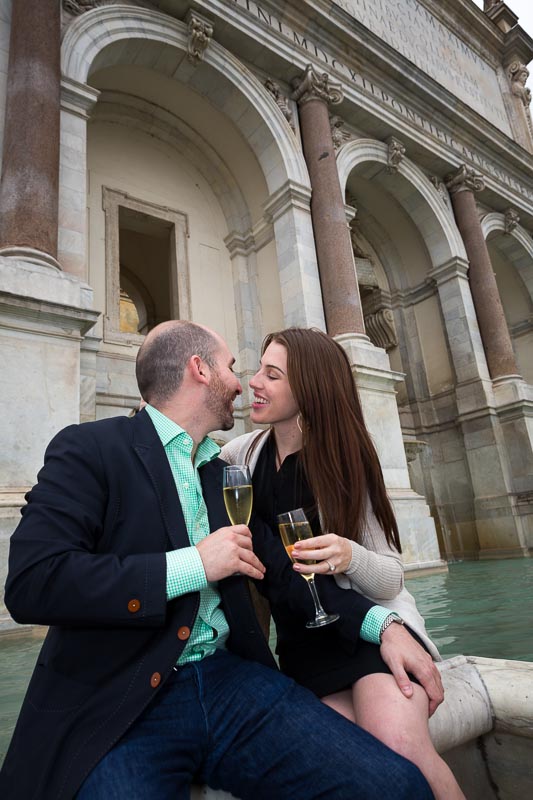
(393, 617)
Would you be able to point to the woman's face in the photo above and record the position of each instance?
(273, 400)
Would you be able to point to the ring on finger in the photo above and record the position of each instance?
(331, 566)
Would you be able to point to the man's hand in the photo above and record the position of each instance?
(402, 654)
(228, 551)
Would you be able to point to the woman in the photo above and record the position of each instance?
(318, 455)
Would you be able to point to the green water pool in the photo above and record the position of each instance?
(480, 608)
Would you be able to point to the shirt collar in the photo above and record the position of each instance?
(169, 431)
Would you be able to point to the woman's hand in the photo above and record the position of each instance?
(332, 554)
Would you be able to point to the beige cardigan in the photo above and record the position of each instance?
(375, 569)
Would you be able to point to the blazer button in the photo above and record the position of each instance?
(134, 605)
(184, 633)
(155, 680)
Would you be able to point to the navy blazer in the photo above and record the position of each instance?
(88, 560)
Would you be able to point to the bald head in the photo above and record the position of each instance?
(164, 354)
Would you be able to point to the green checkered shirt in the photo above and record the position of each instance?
(185, 571)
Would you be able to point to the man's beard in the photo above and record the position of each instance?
(220, 402)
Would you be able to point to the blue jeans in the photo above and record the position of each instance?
(242, 727)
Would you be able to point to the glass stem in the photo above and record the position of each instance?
(319, 611)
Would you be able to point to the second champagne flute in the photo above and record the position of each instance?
(238, 493)
(293, 527)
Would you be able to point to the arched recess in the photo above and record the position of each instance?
(419, 267)
(88, 46)
(412, 190)
(511, 253)
(111, 38)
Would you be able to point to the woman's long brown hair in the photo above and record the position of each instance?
(340, 461)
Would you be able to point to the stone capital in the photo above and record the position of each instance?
(316, 86)
(454, 268)
(290, 195)
(464, 179)
(78, 7)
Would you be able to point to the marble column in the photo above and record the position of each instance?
(340, 292)
(30, 173)
(489, 310)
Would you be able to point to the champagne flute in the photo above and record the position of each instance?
(293, 526)
(238, 493)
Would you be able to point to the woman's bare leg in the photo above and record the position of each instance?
(376, 704)
(342, 703)
(402, 723)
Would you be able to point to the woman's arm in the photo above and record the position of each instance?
(371, 568)
(375, 574)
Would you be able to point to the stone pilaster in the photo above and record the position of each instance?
(489, 310)
(342, 304)
(30, 173)
(377, 385)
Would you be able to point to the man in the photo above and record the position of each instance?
(155, 672)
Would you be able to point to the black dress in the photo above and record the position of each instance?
(315, 657)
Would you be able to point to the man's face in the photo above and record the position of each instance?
(223, 389)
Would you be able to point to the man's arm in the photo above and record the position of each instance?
(61, 570)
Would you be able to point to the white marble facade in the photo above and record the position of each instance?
(205, 140)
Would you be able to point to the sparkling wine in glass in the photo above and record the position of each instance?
(238, 494)
(293, 526)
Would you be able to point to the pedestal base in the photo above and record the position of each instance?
(45, 314)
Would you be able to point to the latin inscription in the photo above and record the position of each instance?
(370, 88)
(409, 27)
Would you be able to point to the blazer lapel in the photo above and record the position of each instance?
(149, 449)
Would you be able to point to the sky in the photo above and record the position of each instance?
(524, 11)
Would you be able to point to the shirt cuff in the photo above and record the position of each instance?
(373, 622)
(185, 572)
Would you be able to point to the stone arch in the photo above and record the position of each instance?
(517, 246)
(439, 346)
(87, 46)
(511, 253)
(429, 213)
(119, 35)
